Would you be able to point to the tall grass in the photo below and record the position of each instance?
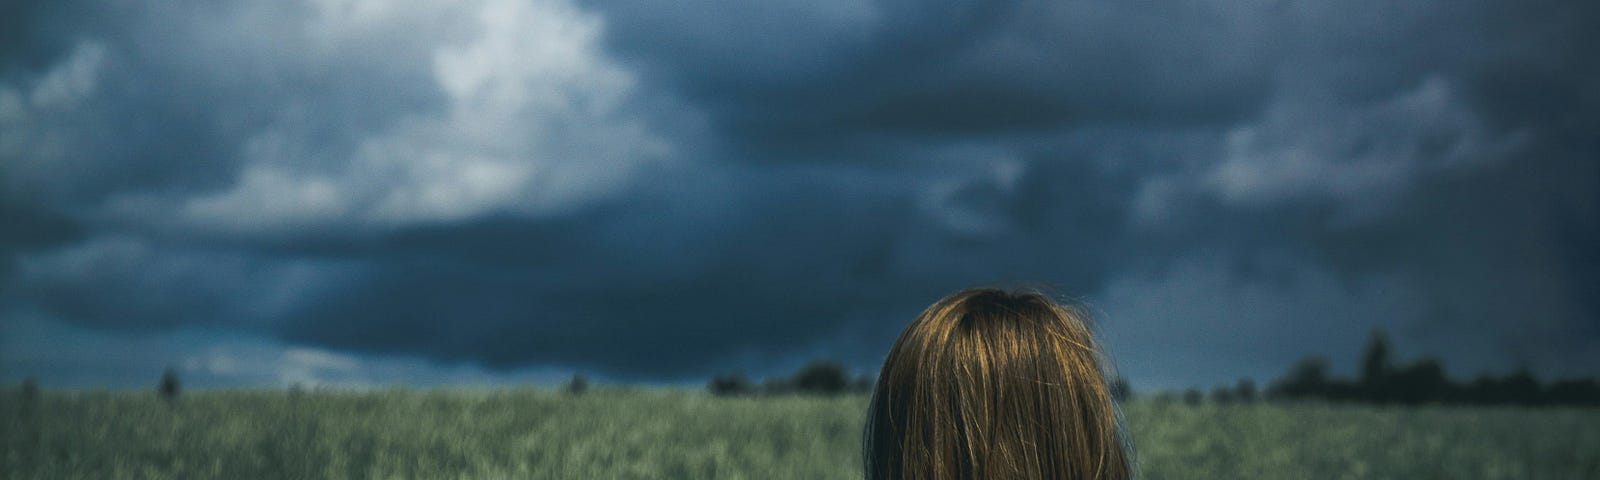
(1361, 441)
(614, 432)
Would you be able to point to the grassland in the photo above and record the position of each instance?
(666, 433)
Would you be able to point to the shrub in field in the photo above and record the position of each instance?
(1574, 392)
(168, 388)
(29, 390)
(1522, 388)
(297, 393)
(1192, 396)
(1308, 378)
(1245, 391)
(1422, 381)
(729, 384)
(1121, 390)
(1222, 395)
(576, 385)
(777, 386)
(28, 396)
(825, 377)
(820, 377)
(863, 384)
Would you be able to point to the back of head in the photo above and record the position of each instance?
(991, 384)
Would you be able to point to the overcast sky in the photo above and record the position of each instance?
(427, 192)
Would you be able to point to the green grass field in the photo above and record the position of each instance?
(666, 433)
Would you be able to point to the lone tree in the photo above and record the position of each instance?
(1375, 367)
(168, 388)
(30, 387)
(577, 384)
(29, 393)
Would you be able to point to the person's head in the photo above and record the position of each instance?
(991, 384)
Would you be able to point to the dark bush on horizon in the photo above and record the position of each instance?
(819, 377)
(1308, 378)
(30, 389)
(168, 389)
(730, 384)
(1574, 392)
(576, 385)
(1121, 390)
(825, 377)
(1192, 397)
(1222, 395)
(1245, 391)
(777, 386)
(863, 384)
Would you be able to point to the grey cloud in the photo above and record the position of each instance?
(948, 68)
(129, 284)
(30, 228)
(606, 294)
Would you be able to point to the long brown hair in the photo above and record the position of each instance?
(991, 384)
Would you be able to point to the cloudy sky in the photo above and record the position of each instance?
(429, 192)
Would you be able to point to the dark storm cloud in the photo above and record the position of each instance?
(852, 72)
(26, 40)
(30, 228)
(657, 189)
(787, 261)
(30, 40)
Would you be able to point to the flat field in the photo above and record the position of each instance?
(619, 432)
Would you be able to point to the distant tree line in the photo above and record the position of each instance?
(1244, 391)
(820, 377)
(1424, 381)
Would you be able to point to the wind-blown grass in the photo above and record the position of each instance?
(1362, 441)
(670, 433)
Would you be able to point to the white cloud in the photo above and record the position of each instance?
(534, 122)
(308, 366)
(29, 111)
(270, 196)
(1155, 202)
(972, 190)
(216, 361)
(1360, 156)
(72, 80)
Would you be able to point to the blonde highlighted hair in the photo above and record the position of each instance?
(986, 384)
